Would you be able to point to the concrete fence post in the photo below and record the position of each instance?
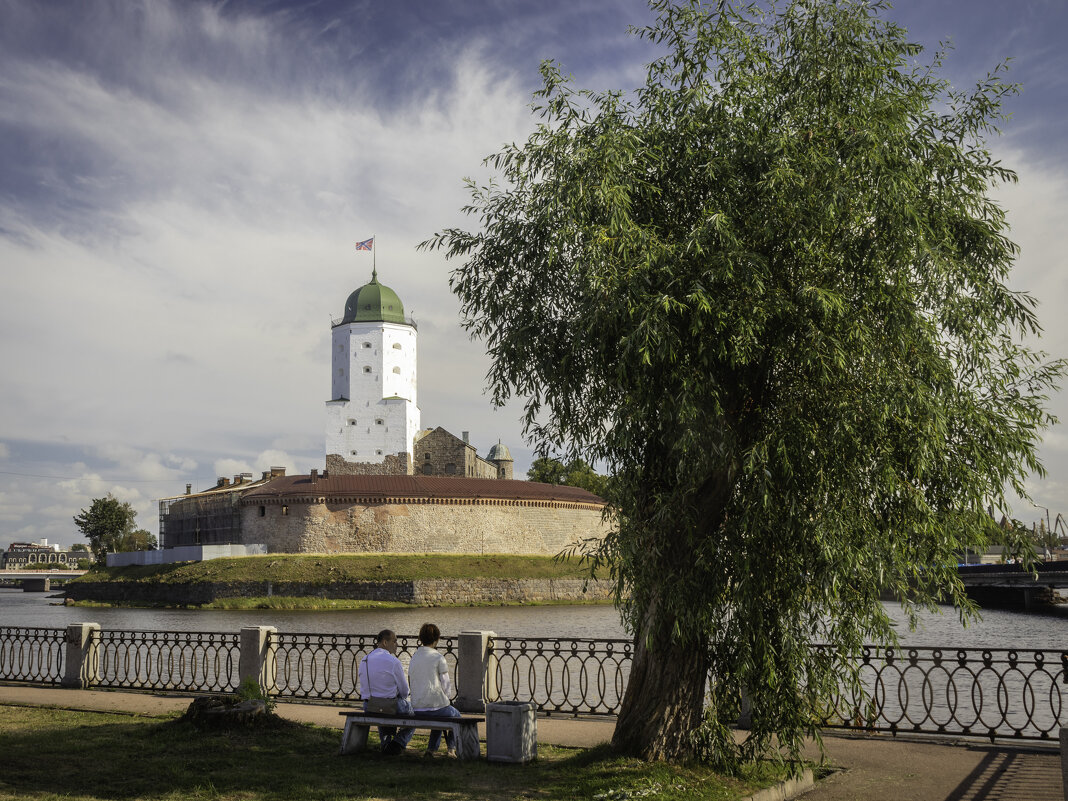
(476, 671)
(1064, 761)
(257, 661)
(81, 668)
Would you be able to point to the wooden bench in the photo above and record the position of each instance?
(358, 724)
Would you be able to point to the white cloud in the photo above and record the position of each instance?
(167, 306)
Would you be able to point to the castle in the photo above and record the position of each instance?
(372, 418)
(387, 485)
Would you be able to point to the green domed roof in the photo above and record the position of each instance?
(374, 302)
(499, 453)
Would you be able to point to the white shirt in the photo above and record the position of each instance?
(428, 675)
(382, 676)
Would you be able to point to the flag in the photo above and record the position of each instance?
(365, 244)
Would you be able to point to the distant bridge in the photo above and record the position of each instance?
(36, 580)
(992, 581)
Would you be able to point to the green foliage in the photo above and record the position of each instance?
(769, 291)
(83, 564)
(108, 524)
(250, 690)
(576, 473)
(79, 546)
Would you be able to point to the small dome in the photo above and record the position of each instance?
(499, 453)
(374, 302)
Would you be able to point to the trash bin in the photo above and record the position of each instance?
(511, 731)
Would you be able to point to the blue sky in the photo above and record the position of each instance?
(182, 183)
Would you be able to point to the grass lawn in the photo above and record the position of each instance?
(55, 753)
(327, 568)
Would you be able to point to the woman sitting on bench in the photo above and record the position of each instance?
(428, 677)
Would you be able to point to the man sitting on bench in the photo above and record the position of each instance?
(384, 689)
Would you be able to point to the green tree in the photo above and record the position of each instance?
(768, 291)
(108, 524)
(576, 473)
(547, 470)
(79, 546)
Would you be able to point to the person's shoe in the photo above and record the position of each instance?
(384, 744)
(394, 748)
(428, 754)
(450, 753)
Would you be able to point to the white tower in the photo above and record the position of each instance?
(372, 417)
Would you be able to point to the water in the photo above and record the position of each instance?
(1047, 629)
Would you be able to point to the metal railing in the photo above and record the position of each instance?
(32, 655)
(324, 666)
(571, 676)
(188, 661)
(994, 693)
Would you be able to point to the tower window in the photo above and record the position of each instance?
(378, 422)
(378, 453)
(285, 510)
(352, 421)
(396, 370)
(426, 456)
(263, 511)
(396, 346)
(366, 344)
(352, 453)
(367, 369)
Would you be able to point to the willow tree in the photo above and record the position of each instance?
(768, 290)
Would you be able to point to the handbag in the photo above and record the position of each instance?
(387, 706)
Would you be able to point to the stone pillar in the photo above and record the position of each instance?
(257, 660)
(81, 668)
(476, 671)
(1064, 762)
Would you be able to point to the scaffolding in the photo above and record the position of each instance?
(203, 519)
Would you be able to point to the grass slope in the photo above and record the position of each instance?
(84, 756)
(326, 569)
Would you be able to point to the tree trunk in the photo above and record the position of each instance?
(665, 694)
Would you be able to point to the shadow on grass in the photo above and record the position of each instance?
(84, 755)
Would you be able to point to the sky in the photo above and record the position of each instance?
(182, 184)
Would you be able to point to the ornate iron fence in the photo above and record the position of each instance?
(324, 666)
(572, 676)
(995, 693)
(33, 655)
(190, 661)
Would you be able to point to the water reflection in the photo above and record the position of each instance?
(1047, 629)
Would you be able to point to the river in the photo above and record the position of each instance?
(1042, 630)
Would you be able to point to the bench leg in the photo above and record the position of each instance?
(467, 746)
(354, 737)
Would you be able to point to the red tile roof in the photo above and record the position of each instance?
(392, 487)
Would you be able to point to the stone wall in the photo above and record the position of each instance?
(391, 465)
(427, 592)
(507, 527)
(439, 453)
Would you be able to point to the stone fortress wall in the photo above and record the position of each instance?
(420, 526)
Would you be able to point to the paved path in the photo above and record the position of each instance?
(869, 768)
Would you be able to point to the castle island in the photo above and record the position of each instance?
(387, 484)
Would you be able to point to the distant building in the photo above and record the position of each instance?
(439, 453)
(37, 556)
(383, 487)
